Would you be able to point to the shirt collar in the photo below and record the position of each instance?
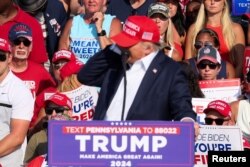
(146, 61)
(6, 79)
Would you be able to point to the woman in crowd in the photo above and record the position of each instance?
(208, 37)
(159, 13)
(177, 17)
(87, 33)
(208, 63)
(215, 15)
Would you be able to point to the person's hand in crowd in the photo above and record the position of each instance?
(98, 19)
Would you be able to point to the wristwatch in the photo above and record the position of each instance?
(102, 33)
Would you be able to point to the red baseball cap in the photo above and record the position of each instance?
(136, 29)
(60, 99)
(222, 107)
(20, 30)
(246, 15)
(4, 45)
(63, 54)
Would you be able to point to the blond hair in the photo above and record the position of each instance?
(69, 83)
(226, 22)
(169, 37)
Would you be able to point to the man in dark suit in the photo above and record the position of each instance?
(156, 86)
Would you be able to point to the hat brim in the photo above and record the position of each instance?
(207, 110)
(61, 58)
(158, 12)
(207, 58)
(25, 36)
(33, 7)
(246, 16)
(124, 40)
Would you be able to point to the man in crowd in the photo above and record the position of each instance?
(218, 112)
(57, 107)
(16, 110)
(155, 86)
(35, 76)
(11, 14)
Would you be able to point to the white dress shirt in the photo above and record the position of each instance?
(134, 78)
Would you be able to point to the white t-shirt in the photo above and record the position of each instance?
(16, 102)
(243, 118)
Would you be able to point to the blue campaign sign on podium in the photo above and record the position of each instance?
(120, 144)
(240, 7)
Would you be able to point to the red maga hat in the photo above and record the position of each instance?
(136, 29)
(222, 107)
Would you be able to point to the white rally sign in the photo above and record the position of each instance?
(216, 138)
(227, 90)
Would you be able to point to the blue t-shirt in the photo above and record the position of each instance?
(84, 42)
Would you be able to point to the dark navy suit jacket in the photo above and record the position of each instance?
(163, 93)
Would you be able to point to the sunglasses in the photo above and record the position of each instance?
(200, 44)
(57, 66)
(18, 41)
(218, 121)
(202, 66)
(49, 110)
(3, 57)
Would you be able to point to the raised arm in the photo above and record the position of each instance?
(237, 52)
(189, 42)
(64, 41)
(115, 28)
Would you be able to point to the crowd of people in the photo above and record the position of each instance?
(144, 59)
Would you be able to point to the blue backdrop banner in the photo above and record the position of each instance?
(240, 7)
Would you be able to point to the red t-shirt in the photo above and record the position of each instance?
(179, 49)
(38, 54)
(36, 78)
(223, 50)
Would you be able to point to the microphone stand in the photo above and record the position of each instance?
(124, 57)
(124, 65)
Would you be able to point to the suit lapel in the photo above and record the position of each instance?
(148, 80)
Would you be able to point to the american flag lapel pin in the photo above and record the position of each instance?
(155, 70)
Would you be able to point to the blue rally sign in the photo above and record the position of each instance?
(240, 7)
(121, 144)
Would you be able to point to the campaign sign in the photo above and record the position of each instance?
(240, 7)
(199, 105)
(247, 60)
(216, 138)
(84, 100)
(223, 89)
(120, 143)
